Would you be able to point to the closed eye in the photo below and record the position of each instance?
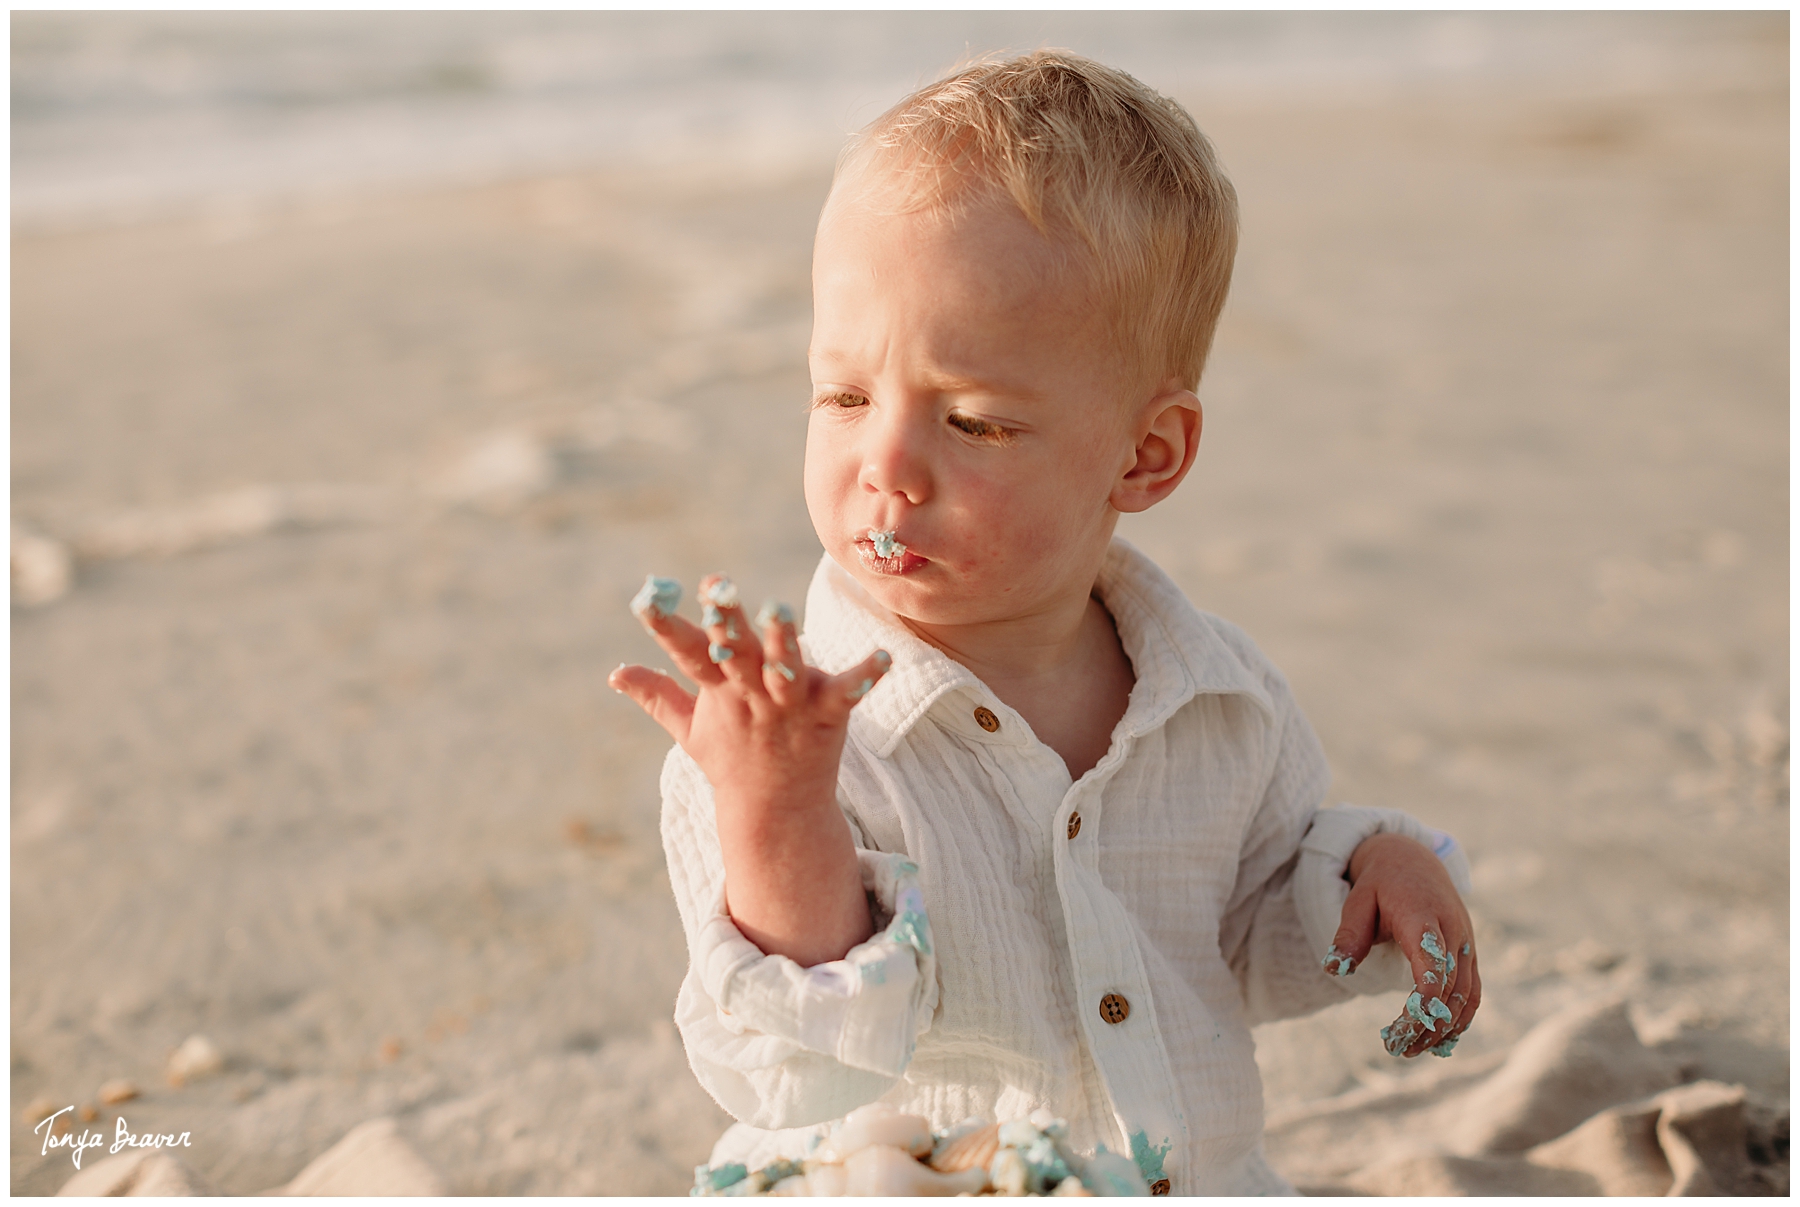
(981, 429)
(841, 399)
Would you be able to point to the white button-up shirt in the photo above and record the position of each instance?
(1185, 891)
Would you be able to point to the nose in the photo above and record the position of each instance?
(895, 460)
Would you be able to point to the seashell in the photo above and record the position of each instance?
(1071, 1187)
(87, 1112)
(826, 1181)
(197, 1057)
(795, 1187)
(971, 1150)
(1010, 1173)
(42, 570)
(886, 1171)
(877, 1123)
(37, 1110)
(116, 1091)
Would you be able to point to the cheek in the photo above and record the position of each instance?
(1020, 524)
(824, 478)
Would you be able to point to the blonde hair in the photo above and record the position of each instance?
(1087, 150)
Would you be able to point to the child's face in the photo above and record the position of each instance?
(967, 399)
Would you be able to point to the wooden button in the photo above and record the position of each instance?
(1160, 1186)
(1074, 824)
(987, 720)
(1114, 1009)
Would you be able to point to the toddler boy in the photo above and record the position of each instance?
(1015, 826)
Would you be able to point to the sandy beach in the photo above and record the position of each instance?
(313, 754)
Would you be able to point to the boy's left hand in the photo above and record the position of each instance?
(1400, 891)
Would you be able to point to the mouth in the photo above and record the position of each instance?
(882, 553)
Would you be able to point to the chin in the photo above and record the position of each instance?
(916, 598)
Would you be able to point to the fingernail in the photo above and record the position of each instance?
(883, 660)
(773, 612)
(1399, 1035)
(722, 592)
(861, 689)
(720, 653)
(710, 616)
(784, 670)
(1337, 963)
(1445, 1047)
(658, 596)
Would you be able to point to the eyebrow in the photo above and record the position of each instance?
(954, 383)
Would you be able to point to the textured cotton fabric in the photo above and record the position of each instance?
(998, 935)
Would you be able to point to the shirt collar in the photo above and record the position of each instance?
(1176, 653)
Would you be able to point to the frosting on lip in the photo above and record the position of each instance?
(885, 544)
(883, 554)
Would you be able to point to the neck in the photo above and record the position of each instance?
(1061, 668)
(1022, 648)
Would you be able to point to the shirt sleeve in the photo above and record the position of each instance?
(1322, 882)
(776, 1044)
(1292, 881)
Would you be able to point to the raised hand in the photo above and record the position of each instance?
(768, 731)
(1400, 891)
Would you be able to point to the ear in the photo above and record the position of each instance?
(1166, 447)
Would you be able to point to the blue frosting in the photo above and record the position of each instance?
(773, 612)
(885, 544)
(1149, 1160)
(912, 929)
(1446, 963)
(714, 1180)
(659, 595)
(1112, 1175)
(723, 592)
(1045, 1163)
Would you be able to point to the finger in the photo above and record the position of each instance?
(1425, 1019)
(782, 664)
(1456, 993)
(654, 605)
(664, 699)
(847, 690)
(1474, 994)
(1355, 933)
(1434, 971)
(730, 642)
(686, 645)
(1468, 988)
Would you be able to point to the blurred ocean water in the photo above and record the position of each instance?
(117, 114)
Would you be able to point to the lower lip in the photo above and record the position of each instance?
(904, 563)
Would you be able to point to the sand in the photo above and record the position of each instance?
(315, 756)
